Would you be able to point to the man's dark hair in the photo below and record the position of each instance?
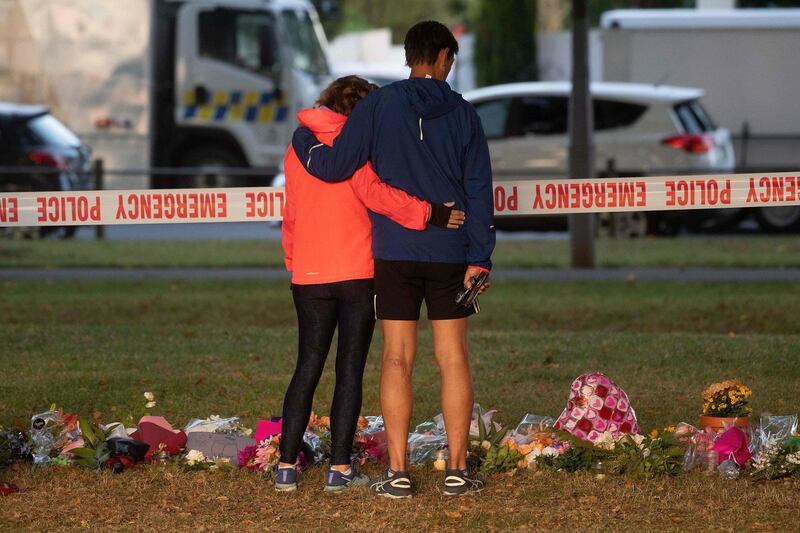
(424, 41)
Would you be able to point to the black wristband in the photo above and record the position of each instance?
(440, 215)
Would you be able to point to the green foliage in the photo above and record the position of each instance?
(581, 455)
(505, 41)
(500, 459)
(94, 452)
(360, 15)
(654, 458)
(597, 7)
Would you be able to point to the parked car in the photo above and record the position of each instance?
(639, 130)
(39, 153)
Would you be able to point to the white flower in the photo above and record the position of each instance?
(195, 456)
(793, 458)
(549, 451)
(606, 441)
(149, 405)
(149, 396)
(638, 439)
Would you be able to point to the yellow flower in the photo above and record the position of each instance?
(653, 433)
(669, 429)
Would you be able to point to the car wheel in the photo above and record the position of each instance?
(213, 158)
(778, 219)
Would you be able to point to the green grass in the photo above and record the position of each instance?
(228, 348)
(718, 251)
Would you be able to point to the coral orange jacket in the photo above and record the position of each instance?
(327, 236)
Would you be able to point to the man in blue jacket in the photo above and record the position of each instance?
(424, 138)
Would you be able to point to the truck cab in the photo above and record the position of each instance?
(228, 78)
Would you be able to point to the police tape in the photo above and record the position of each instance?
(519, 197)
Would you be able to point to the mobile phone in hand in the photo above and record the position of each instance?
(467, 296)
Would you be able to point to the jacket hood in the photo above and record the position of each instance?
(321, 120)
(428, 97)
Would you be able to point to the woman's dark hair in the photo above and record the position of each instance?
(424, 41)
(343, 94)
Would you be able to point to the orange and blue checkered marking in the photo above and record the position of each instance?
(248, 106)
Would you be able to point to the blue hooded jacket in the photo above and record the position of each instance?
(424, 138)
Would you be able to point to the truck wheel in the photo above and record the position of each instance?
(778, 219)
(212, 158)
(624, 225)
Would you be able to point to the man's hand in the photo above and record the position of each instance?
(444, 216)
(472, 272)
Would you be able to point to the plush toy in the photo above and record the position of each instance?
(596, 405)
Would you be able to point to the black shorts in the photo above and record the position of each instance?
(400, 287)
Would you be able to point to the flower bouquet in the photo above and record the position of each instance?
(493, 449)
(778, 459)
(261, 457)
(726, 404)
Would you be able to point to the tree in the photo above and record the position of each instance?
(505, 41)
(399, 16)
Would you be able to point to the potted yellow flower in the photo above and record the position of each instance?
(726, 403)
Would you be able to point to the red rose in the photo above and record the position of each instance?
(584, 425)
(605, 413)
(601, 391)
(625, 428)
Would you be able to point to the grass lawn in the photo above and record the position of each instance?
(228, 348)
(716, 251)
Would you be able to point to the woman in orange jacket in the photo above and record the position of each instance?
(327, 242)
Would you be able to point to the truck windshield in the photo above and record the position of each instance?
(306, 49)
(242, 38)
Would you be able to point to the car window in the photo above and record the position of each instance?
(243, 38)
(494, 117)
(693, 117)
(610, 114)
(46, 130)
(540, 115)
(702, 115)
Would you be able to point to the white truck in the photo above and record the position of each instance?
(744, 59)
(168, 83)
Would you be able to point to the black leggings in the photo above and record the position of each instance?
(320, 308)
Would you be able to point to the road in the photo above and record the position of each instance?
(712, 275)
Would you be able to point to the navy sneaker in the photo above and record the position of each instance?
(337, 481)
(392, 484)
(286, 479)
(462, 482)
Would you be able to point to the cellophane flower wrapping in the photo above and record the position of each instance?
(217, 424)
(50, 432)
(772, 428)
(425, 441)
(531, 426)
(698, 443)
(596, 405)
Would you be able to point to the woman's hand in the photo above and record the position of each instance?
(444, 216)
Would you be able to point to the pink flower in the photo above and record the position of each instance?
(247, 457)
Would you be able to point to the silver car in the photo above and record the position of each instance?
(639, 130)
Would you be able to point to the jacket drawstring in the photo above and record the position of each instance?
(420, 129)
